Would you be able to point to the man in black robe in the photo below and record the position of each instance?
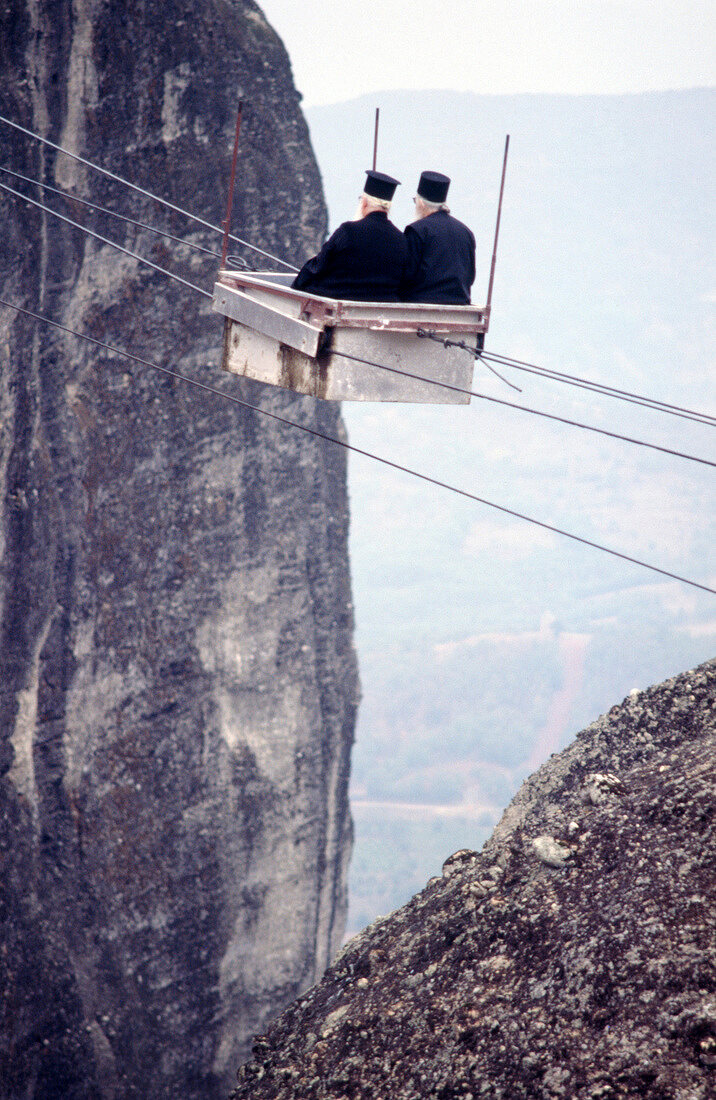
(441, 250)
(364, 260)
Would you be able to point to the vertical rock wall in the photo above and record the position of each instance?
(177, 677)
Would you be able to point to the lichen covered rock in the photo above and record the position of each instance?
(515, 977)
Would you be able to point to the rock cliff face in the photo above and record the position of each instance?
(572, 958)
(177, 677)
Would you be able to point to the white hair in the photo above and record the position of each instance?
(379, 204)
(430, 207)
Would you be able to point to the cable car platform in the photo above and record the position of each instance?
(314, 345)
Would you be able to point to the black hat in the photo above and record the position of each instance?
(433, 186)
(379, 185)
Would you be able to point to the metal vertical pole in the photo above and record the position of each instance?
(497, 228)
(375, 139)
(230, 200)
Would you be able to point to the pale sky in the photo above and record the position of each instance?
(341, 49)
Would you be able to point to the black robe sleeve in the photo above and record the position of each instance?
(318, 266)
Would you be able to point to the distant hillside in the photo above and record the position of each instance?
(485, 642)
(572, 958)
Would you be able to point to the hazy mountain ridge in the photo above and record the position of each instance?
(604, 270)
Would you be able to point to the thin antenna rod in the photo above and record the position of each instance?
(375, 138)
(227, 223)
(497, 229)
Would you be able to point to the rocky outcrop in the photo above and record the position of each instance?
(573, 957)
(177, 676)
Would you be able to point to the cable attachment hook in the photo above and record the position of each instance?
(237, 263)
(476, 352)
(425, 335)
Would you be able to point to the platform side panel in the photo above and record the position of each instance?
(346, 380)
(254, 355)
(407, 316)
(266, 319)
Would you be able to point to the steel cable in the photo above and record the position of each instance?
(382, 366)
(366, 454)
(575, 380)
(142, 191)
(106, 240)
(491, 356)
(112, 213)
(606, 390)
(527, 409)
